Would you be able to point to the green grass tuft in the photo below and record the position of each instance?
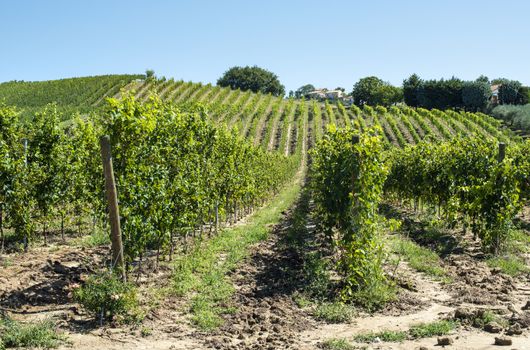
(427, 330)
(419, 258)
(509, 264)
(335, 312)
(423, 330)
(29, 335)
(386, 335)
(337, 344)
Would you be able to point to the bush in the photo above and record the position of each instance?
(32, 335)
(105, 296)
(517, 117)
(334, 312)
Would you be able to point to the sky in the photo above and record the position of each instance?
(325, 43)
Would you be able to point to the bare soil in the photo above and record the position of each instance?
(34, 286)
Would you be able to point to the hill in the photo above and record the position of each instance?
(275, 123)
(272, 122)
(71, 95)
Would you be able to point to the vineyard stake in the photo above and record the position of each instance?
(114, 212)
(26, 238)
(502, 151)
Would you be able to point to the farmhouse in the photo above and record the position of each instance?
(495, 93)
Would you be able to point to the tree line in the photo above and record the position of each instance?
(469, 95)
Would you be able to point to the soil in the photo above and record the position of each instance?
(34, 285)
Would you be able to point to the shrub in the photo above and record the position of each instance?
(32, 335)
(107, 297)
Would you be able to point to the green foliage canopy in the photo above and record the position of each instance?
(254, 78)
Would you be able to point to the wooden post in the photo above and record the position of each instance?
(502, 151)
(217, 217)
(25, 239)
(114, 212)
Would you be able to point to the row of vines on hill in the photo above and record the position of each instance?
(468, 178)
(71, 95)
(174, 171)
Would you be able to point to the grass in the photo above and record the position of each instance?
(29, 335)
(509, 264)
(427, 330)
(510, 261)
(386, 335)
(488, 316)
(419, 258)
(202, 274)
(97, 238)
(6, 262)
(335, 312)
(301, 300)
(337, 344)
(422, 330)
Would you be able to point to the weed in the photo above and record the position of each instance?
(419, 258)
(6, 262)
(386, 335)
(483, 317)
(301, 300)
(97, 238)
(108, 298)
(146, 331)
(423, 330)
(29, 335)
(335, 312)
(427, 330)
(509, 264)
(337, 344)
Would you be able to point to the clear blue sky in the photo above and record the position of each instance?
(326, 43)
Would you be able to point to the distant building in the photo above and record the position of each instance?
(495, 93)
(325, 94)
(335, 94)
(319, 94)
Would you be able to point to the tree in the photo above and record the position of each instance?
(410, 90)
(524, 93)
(374, 91)
(149, 74)
(509, 92)
(441, 94)
(303, 90)
(254, 78)
(483, 79)
(498, 81)
(476, 94)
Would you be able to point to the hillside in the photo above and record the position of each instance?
(274, 122)
(71, 95)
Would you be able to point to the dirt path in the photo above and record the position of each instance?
(267, 316)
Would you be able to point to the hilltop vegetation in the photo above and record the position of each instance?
(81, 95)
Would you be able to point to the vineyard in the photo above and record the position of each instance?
(73, 95)
(254, 221)
(274, 122)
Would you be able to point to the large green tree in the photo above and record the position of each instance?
(476, 95)
(374, 91)
(509, 92)
(254, 78)
(410, 90)
(441, 94)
